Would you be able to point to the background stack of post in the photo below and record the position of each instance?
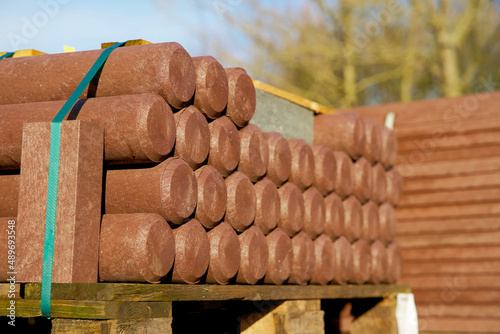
(448, 217)
(191, 190)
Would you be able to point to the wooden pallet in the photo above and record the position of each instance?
(130, 308)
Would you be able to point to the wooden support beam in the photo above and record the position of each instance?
(122, 326)
(443, 183)
(450, 154)
(449, 211)
(209, 292)
(297, 316)
(380, 319)
(481, 195)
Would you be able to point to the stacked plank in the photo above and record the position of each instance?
(162, 179)
(448, 217)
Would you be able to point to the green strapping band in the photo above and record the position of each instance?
(55, 145)
(7, 55)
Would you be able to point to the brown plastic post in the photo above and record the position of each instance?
(373, 143)
(303, 260)
(192, 253)
(378, 263)
(324, 260)
(314, 212)
(302, 170)
(344, 184)
(224, 152)
(212, 196)
(394, 263)
(165, 69)
(192, 136)
(169, 189)
(362, 171)
(341, 132)
(7, 260)
(343, 261)
(280, 158)
(387, 223)
(361, 254)
(224, 254)
(370, 222)
(267, 208)
(394, 186)
(325, 169)
(138, 128)
(149, 244)
(254, 256)
(242, 98)
(291, 209)
(78, 219)
(280, 257)
(334, 216)
(389, 153)
(353, 219)
(379, 184)
(9, 196)
(212, 90)
(254, 152)
(240, 203)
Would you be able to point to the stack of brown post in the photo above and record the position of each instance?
(448, 217)
(366, 190)
(163, 179)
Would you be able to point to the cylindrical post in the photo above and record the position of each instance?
(373, 145)
(138, 128)
(192, 253)
(280, 158)
(192, 136)
(361, 255)
(302, 259)
(212, 196)
(212, 91)
(387, 223)
(343, 261)
(341, 132)
(165, 68)
(394, 263)
(334, 216)
(378, 262)
(254, 152)
(394, 186)
(149, 244)
(224, 254)
(370, 230)
(267, 208)
(240, 204)
(169, 189)
(344, 184)
(325, 169)
(302, 171)
(314, 212)
(242, 98)
(379, 184)
(291, 209)
(280, 257)
(353, 221)
(324, 260)
(224, 152)
(362, 171)
(254, 256)
(389, 152)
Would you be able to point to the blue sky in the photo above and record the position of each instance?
(48, 25)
